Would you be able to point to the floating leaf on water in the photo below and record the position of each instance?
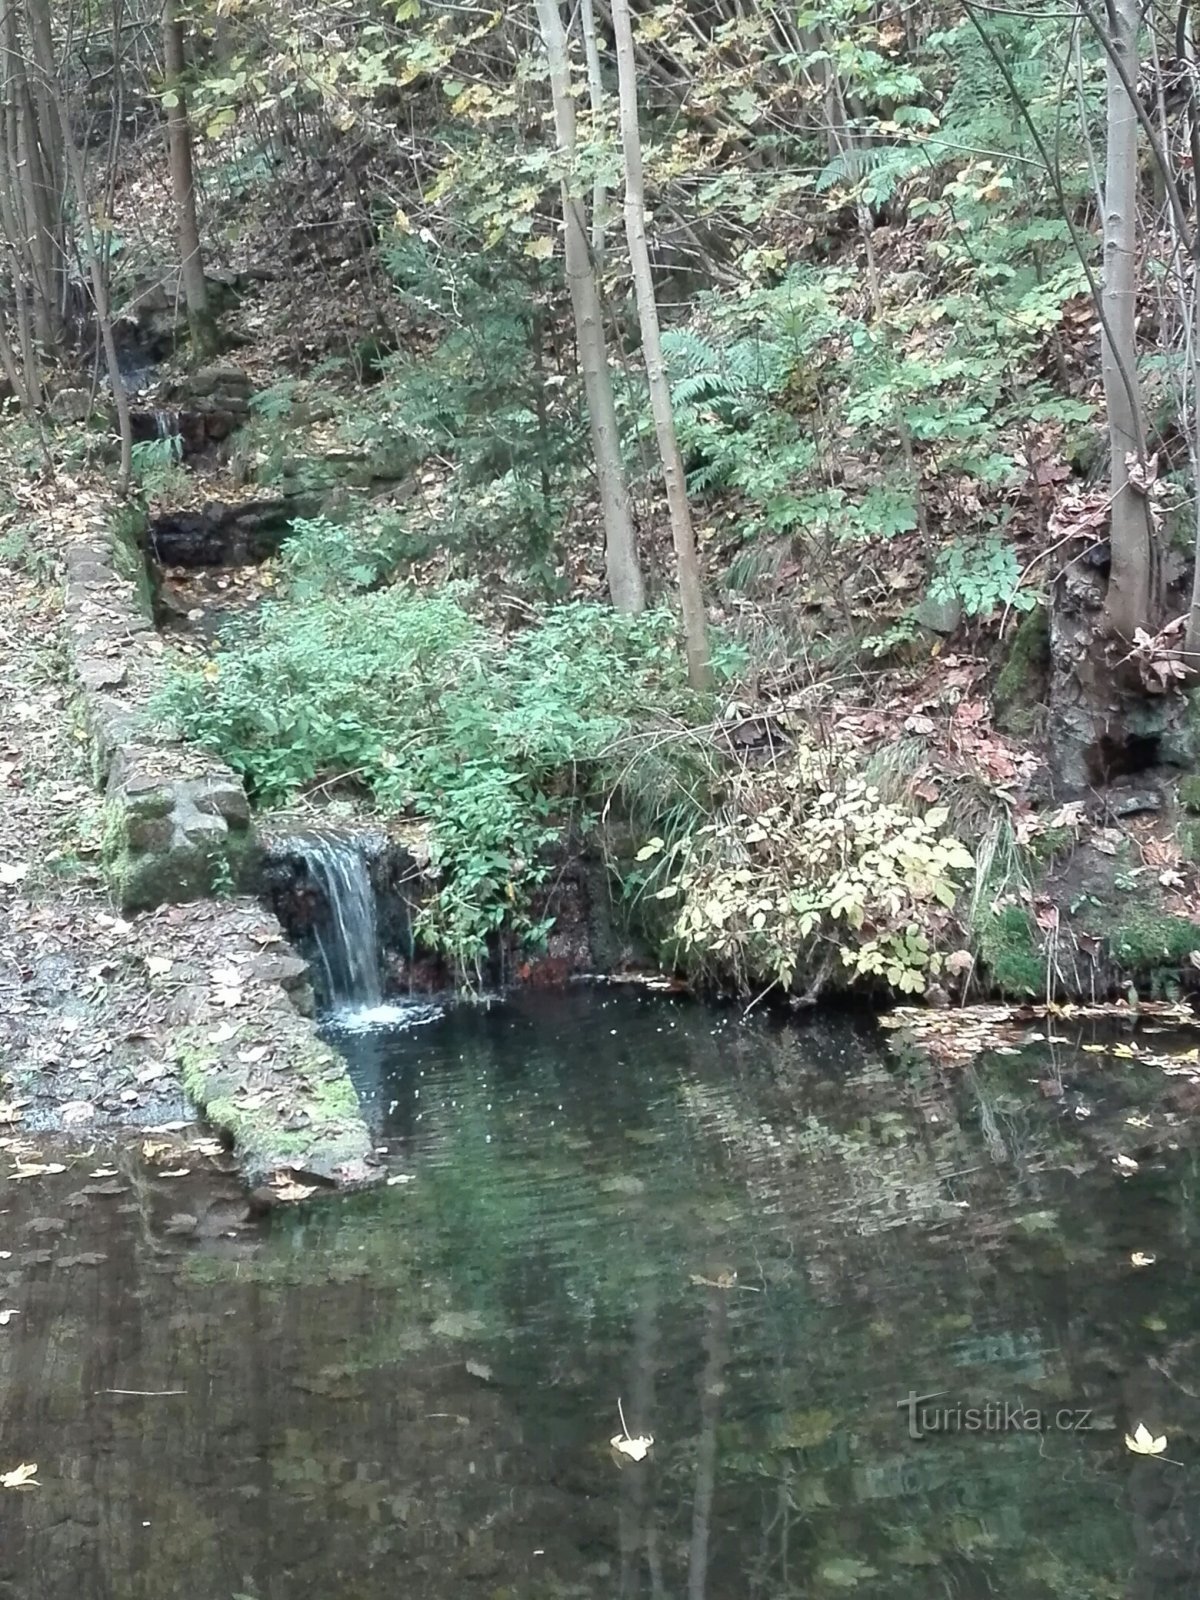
(844, 1572)
(623, 1183)
(1038, 1222)
(479, 1369)
(637, 1449)
(1141, 1258)
(457, 1324)
(1143, 1443)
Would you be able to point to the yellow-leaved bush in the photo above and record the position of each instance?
(807, 866)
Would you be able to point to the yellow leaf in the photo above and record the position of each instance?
(22, 1477)
(540, 249)
(1143, 1443)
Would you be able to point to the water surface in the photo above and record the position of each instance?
(758, 1239)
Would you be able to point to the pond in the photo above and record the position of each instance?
(754, 1242)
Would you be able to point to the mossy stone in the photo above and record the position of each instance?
(1188, 836)
(1009, 948)
(1022, 683)
(1151, 940)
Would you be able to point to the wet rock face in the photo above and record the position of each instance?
(222, 536)
(201, 410)
(286, 883)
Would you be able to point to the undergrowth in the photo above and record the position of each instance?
(497, 742)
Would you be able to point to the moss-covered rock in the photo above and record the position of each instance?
(1152, 940)
(1011, 952)
(302, 1117)
(169, 841)
(1023, 680)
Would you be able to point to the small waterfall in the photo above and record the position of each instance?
(347, 940)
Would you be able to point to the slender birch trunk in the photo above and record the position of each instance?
(591, 54)
(1128, 605)
(695, 628)
(99, 282)
(621, 558)
(183, 187)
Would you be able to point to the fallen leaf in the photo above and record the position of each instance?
(12, 872)
(156, 966)
(1125, 1163)
(1143, 1443)
(1140, 1258)
(6, 1317)
(22, 1477)
(639, 1448)
(291, 1191)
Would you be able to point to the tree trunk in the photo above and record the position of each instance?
(1129, 601)
(695, 629)
(33, 160)
(621, 558)
(183, 188)
(591, 54)
(99, 281)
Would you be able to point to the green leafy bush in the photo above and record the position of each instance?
(807, 870)
(496, 742)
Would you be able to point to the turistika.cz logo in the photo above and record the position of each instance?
(993, 1416)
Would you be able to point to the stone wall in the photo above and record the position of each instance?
(176, 821)
(177, 829)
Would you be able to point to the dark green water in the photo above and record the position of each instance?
(759, 1240)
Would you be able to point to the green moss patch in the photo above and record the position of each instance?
(1021, 686)
(1011, 951)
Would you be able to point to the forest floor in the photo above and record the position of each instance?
(103, 1015)
(79, 1023)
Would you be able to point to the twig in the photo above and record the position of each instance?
(145, 1393)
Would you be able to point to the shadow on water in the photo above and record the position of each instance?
(760, 1240)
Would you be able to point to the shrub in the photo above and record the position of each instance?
(413, 698)
(808, 869)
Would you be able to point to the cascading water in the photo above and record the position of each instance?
(347, 938)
